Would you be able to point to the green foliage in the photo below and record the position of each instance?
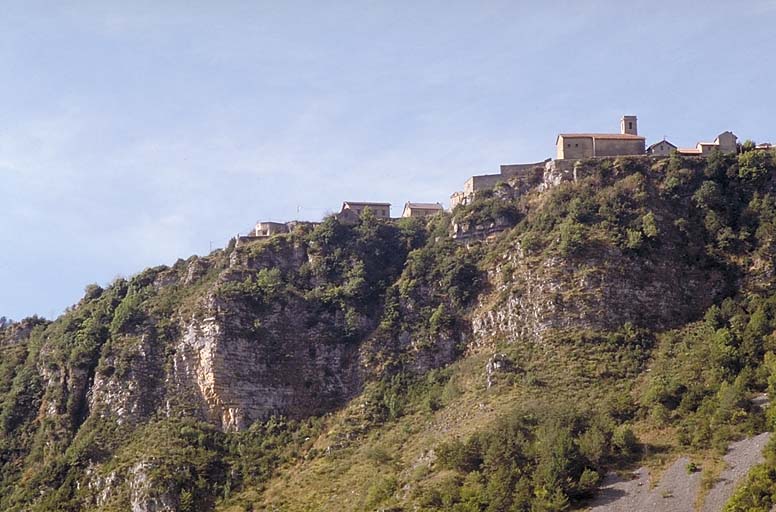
(649, 225)
(533, 460)
(758, 492)
(623, 440)
(703, 374)
(380, 490)
(572, 236)
(487, 209)
(128, 314)
(753, 165)
(383, 283)
(440, 319)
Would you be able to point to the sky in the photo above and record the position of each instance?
(136, 133)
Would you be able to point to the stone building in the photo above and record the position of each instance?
(352, 210)
(421, 209)
(662, 148)
(266, 229)
(726, 142)
(588, 145)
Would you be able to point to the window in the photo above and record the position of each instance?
(630, 125)
(576, 145)
(568, 145)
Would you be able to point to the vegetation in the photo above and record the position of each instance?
(569, 400)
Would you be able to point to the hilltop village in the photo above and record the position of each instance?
(570, 148)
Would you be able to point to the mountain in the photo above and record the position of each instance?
(502, 357)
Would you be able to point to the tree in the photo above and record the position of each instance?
(755, 164)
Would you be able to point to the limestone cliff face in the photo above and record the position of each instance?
(600, 291)
(240, 374)
(228, 364)
(133, 392)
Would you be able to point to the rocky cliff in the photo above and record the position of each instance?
(196, 386)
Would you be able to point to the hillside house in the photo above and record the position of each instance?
(352, 210)
(662, 148)
(588, 145)
(421, 209)
(266, 229)
(726, 142)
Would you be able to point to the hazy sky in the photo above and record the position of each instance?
(135, 133)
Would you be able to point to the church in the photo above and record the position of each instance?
(587, 145)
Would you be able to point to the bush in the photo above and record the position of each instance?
(624, 440)
(379, 491)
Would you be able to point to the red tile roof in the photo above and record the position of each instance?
(620, 136)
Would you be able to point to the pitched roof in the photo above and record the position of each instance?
(424, 206)
(616, 136)
(662, 142)
(689, 151)
(364, 203)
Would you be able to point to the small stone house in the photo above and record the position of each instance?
(262, 230)
(588, 145)
(662, 148)
(266, 229)
(421, 209)
(380, 210)
(726, 142)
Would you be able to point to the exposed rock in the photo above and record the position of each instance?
(241, 374)
(472, 231)
(127, 385)
(145, 495)
(497, 363)
(600, 292)
(197, 268)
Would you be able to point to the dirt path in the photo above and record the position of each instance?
(677, 490)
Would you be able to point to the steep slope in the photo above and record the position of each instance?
(384, 364)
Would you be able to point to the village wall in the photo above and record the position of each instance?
(511, 170)
(482, 182)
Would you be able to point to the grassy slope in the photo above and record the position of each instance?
(351, 478)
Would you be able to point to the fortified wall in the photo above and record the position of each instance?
(521, 172)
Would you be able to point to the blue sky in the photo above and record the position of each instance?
(135, 133)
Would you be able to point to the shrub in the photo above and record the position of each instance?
(380, 490)
(624, 440)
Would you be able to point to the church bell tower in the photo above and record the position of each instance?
(629, 126)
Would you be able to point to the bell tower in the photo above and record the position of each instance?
(629, 125)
